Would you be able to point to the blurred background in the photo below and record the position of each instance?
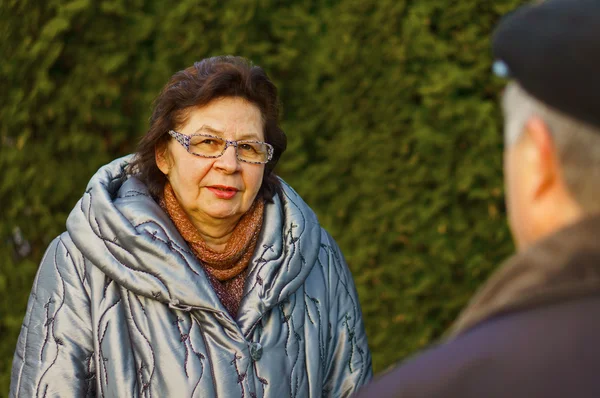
(390, 109)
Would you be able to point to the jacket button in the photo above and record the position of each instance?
(256, 351)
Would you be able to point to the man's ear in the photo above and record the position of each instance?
(543, 155)
(161, 156)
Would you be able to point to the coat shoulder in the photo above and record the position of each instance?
(548, 351)
(63, 256)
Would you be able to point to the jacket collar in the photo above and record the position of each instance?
(564, 266)
(124, 233)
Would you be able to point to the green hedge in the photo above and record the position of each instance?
(389, 106)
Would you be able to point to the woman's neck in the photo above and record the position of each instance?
(215, 235)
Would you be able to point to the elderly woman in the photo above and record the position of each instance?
(191, 270)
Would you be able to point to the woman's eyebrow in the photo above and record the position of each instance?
(249, 137)
(208, 129)
(219, 133)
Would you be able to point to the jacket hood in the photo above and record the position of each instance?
(123, 232)
(564, 266)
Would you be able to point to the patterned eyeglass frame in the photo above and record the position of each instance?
(184, 140)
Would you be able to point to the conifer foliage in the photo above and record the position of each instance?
(389, 106)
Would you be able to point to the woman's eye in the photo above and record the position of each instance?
(246, 147)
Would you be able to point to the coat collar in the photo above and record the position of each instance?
(564, 266)
(124, 233)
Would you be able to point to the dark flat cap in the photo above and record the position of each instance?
(552, 49)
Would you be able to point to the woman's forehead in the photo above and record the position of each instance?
(225, 117)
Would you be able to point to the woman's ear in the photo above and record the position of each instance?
(161, 155)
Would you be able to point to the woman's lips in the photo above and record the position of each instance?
(223, 192)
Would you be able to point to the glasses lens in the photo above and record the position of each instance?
(206, 145)
(253, 151)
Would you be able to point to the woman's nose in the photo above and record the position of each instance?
(228, 161)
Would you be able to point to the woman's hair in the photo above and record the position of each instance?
(205, 81)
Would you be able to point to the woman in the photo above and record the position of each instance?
(190, 269)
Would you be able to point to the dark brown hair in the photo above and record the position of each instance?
(196, 86)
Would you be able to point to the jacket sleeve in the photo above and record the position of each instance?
(54, 354)
(349, 358)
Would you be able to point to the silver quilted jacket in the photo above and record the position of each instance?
(121, 307)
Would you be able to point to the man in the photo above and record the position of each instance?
(534, 328)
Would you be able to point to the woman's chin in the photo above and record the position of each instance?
(224, 212)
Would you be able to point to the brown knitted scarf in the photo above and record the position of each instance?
(226, 270)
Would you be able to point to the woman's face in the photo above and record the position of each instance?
(214, 191)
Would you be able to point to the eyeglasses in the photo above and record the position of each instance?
(210, 146)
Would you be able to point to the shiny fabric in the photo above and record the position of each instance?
(121, 308)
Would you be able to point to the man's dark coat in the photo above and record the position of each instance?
(532, 331)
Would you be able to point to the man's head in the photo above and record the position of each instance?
(551, 166)
(552, 115)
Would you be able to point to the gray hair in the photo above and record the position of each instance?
(577, 143)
